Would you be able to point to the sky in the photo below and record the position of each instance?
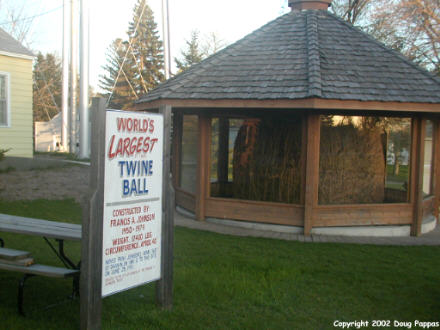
(229, 19)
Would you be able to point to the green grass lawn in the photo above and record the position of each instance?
(226, 282)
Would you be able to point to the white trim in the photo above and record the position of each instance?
(27, 57)
(8, 99)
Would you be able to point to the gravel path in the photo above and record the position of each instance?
(55, 183)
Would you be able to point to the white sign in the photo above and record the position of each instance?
(132, 200)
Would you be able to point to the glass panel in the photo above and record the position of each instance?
(3, 113)
(3, 101)
(429, 151)
(188, 166)
(364, 159)
(256, 159)
(2, 87)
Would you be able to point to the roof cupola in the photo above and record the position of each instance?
(309, 4)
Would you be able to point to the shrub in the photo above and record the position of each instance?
(2, 153)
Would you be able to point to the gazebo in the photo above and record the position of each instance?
(309, 123)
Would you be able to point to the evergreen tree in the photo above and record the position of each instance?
(47, 87)
(147, 58)
(122, 93)
(142, 56)
(191, 55)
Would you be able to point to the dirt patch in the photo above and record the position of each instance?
(56, 183)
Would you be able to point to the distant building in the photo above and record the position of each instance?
(48, 134)
(15, 97)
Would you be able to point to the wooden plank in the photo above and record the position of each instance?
(91, 244)
(254, 211)
(312, 170)
(25, 262)
(418, 140)
(10, 254)
(202, 188)
(164, 287)
(363, 215)
(39, 227)
(310, 103)
(185, 199)
(42, 270)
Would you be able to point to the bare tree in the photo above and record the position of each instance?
(353, 11)
(412, 27)
(211, 44)
(17, 21)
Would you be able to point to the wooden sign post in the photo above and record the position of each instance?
(128, 225)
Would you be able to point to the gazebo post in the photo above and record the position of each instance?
(312, 171)
(202, 188)
(177, 147)
(303, 159)
(418, 140)
(223, 153)
(437, 168)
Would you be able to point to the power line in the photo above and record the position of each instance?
(32, 17)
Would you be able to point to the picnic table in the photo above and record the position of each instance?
(59, 231)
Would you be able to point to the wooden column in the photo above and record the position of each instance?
(436, 138)
(223, 154)
(164, 287)
(91, 241)
(303, 159)
(418, 141)
(312, 170)
(202, 188)
(177, 147)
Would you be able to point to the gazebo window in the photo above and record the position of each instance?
(256, 159)
(188, 165)
(428, 159)
(364, 159)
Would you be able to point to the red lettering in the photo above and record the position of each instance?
(139, 144)
(120, 123)
(126, 146)
(133, 145)
(153, 142)
(151, 125)
(146, 144)
(119, 148)
(110, 154)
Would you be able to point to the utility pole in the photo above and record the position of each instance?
(166, 38)
(84, 82)
(65, 125)
(73, 74)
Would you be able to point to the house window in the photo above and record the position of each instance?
(4, 100)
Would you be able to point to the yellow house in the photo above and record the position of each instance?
(16, 132)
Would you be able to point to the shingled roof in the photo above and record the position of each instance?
(300, 55)
(11, 46)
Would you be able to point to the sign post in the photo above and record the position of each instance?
(91, 241)
(125, 240)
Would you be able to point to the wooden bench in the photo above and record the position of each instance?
(11, 260)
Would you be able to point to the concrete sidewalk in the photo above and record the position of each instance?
(432, 238)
